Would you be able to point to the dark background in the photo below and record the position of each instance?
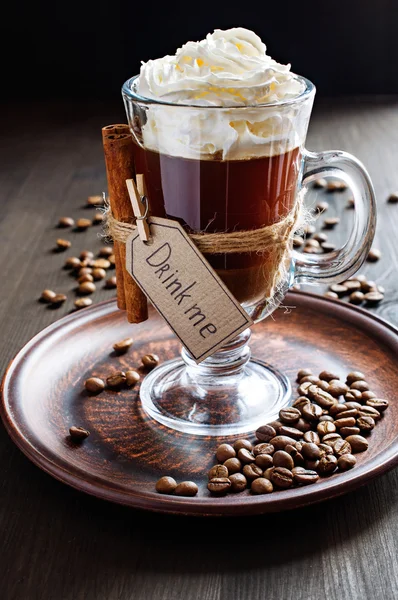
(88, 49)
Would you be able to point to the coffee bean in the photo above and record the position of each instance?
(353, 395)
(265, 461)
(116, 380)
(356, 298)
(66, 222)
(63, 244)
(378, 404)
(225, 451)
(186, 488)
(393, 198)
(326, 418)
(323, 385)
(311, 378)
(280, 441)
(374, 255)
(95, 201)
(105, 251)
(238, 482)
(246, 456)
(336, 185)
(243, 444)
(47, 295)
(321, 183)
(264, 448)
(328, 247)
(302, 426)
(341, 447)
(368, 286)
(283, 459)
(292, 432)
(369, 411)
(166, 485)
(110, 283)
(276, 425)
(344, 422)
(219, 485)
(327, 376)
(268, 472)
(112, 260)
(311, 437)
(305, 477)
(132, 377)
(358, 443)
(331, 438)
(324, 449)
(366, 423)
(301, 402)
(72, 263)
(282, 478)
(84, 271)
(98, 218)
(297, 241)
(331, 222)
(217, 471)
(337, 389)
(82, 302)
(312, 412)
(303, 373)
(350, 203)
(150, 361)
(368, 395)
(303, 388)
(78, 433)
(94, 385)
(312, 465)
(346, 431)
(85, 278)
(58, 299)
(233, 465)
(99, 274)
(327, 464)
(83, 224)
(252, 471)
(310, 451)
(122, 346)
(265, 433)
(346, 462)
(336, 408)
(352, 285)
(86, 288)
(101, 263)
(361, 386)
(86, 254)
(261, 485)
(324, 399)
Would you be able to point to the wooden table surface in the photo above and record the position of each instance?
(57, 543)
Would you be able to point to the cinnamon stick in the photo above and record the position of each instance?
(118, 150)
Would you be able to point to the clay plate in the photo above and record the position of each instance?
(127, 452)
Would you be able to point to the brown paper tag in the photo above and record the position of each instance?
(184, 288)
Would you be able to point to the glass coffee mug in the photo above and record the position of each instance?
(218, 169)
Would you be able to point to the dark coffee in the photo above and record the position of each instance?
(216, 196)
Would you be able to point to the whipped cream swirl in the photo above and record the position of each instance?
(229, 69)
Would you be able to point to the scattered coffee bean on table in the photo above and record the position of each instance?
(98, 218)
(116, 380)
(47, 295)
(166, 485)
(83, 302)
(393, 198)
(374, 255)
(78, 433)
(132, 377)
(110, 283)
(63, 244)
(58, 299)
(186, 488)
(94, 385)
(86, 288)
(122, 346)
(66, 222)
(95, 201)
(150, 361)
(83, 224)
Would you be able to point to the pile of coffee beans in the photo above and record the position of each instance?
(318, 435)
(358, 290)
(85, 268)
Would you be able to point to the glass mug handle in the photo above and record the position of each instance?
(343, 262)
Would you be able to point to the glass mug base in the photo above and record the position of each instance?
(226, 395)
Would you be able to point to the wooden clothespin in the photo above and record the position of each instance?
(139, 202)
